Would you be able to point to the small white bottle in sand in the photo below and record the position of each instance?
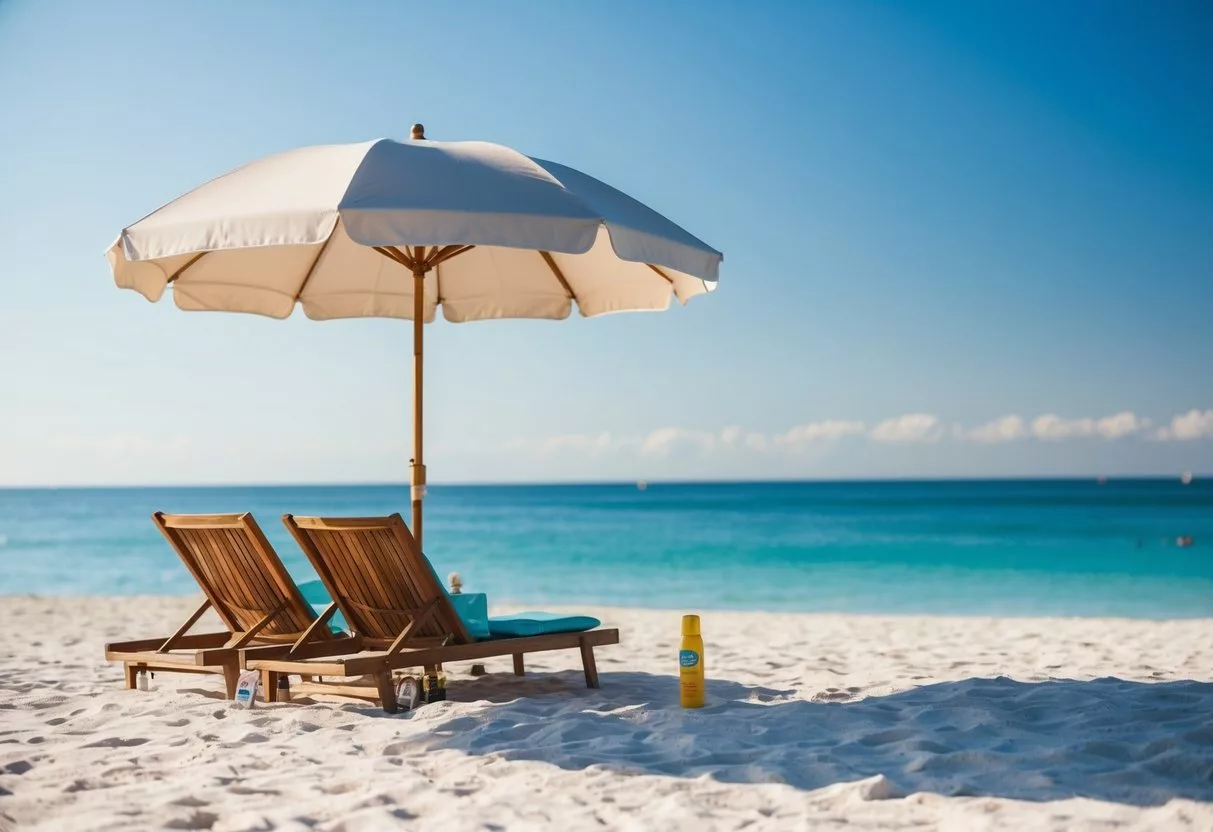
(246, 689)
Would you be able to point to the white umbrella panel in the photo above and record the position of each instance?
(482, 230)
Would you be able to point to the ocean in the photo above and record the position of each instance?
(1071, 548)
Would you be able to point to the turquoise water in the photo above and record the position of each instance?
(996, 548)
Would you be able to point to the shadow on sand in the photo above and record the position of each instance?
(1129, 742)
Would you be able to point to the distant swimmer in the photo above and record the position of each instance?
(1183, 541)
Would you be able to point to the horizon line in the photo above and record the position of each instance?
(621, 482)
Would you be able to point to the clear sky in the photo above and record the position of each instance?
(961, 239)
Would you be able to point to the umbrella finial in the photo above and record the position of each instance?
(418, 132)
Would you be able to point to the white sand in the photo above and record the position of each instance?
(822, 721)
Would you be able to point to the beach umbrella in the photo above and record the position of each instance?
(399, 229)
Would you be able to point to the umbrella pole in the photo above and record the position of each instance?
(417, 491)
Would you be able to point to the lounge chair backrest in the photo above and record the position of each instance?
(239, 571)
(372, 568)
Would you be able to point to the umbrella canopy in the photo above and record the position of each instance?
(397, 229)
(302, 226)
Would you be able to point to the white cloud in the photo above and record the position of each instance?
(912, 427)
(1195, 424)
(756, 442)
(664, 441)
(1005, 429)
(735, 437)
(1052, 427)
(734, 441)
(731, 435)
(830, 430)
(1121, 424)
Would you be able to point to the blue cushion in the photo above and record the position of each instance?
(539, 623)
(473, 610)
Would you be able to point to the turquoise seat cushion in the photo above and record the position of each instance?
(539, 624)
(473, 611)
(471, 607)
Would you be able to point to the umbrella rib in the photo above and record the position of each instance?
(547, 258)
(405, 258)
(181, 270)
(660, 272)
(439, 254)
(311, 269)
(446, 253)
(395, 254)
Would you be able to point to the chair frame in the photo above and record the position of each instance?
(217, 652)
(433, 634)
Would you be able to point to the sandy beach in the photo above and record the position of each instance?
(813, 721)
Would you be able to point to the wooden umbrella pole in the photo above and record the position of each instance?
(417, 464)
(420, 261)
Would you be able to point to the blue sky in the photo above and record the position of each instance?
(961, 239)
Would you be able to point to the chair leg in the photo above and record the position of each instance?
(587, 661)
(231, 676)
(269, 685)
(132, 675)
(387, 691)
(519, 668)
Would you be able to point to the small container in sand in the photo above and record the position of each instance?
(407, 693)
(246, 689)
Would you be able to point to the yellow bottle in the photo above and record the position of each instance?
(690, 663)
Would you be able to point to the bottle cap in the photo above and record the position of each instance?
(690, 625)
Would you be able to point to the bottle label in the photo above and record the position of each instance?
(688, 658)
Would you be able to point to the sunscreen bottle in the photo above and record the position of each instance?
(690, 663)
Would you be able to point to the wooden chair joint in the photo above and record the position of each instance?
(419, 620)
(184, 628)
(320, 622)
(251, 634)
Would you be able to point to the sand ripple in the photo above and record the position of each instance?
(841, 721)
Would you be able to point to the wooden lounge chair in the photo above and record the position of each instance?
(246, 584)
(398, 612)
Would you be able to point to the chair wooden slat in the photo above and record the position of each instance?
(386, 558)
(394, 561)
(377, 576)
(348, 575)
(226, 582)
(298, 616)
(253, 589)
(246, 584)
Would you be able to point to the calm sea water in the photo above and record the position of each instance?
(997, 548)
